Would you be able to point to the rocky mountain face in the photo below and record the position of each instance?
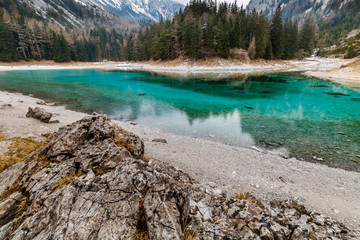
(92, 181)
(74, 12)
(140, 9)
(62, 12)
(300, 9)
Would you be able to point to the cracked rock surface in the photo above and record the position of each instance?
(92, 181)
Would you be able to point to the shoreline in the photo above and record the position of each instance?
(331, 191)
(343, 71)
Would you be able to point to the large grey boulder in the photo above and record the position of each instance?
(92, 181)
(39, 113)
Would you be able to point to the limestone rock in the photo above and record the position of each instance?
(92, 182)
(39, 113)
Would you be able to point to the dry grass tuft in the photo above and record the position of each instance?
(23, 206)
(140, 236)
(64, 181)
(18, 150)
(2, 136)
(145, 159)
(14, 188)
(121, 142)
(243, 196)
(190, 235)
(17, 223)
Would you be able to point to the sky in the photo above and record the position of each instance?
(244, 2)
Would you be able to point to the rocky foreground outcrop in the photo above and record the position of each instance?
(92, 181)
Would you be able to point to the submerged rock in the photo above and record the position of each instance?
(39, 113)
(337, 94)
(92, 181)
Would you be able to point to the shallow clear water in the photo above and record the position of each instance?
(288, 112)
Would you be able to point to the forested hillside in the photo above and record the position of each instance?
(89, 36)
(72, 31)
(334, 37)
(335, 19)
(205, 29)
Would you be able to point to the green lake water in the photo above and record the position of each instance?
(286, 112)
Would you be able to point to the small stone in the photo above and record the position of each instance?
(318, 158)
(256, 148)
(41, 102)
(8, 105)
(132, 123)
(39, 113)
(54, 121)
(279, 154)
(160, 140)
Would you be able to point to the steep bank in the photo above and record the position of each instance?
(345, 74)
(92, 181)
(231, 67)
(331, 191)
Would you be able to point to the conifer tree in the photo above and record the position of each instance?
(268, 51)
(307, 36)
(287, 32)
(293, 40)
(290, 39)
(192, 38)
(7, 44)
(129, 47)
(222, 39)
(261, 33)
(61, 52)
(276, 34)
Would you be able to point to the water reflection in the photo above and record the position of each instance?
(282, 111)
(224, 127)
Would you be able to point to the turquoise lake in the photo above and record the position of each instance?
(288, 112)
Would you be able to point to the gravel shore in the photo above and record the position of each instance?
(333, 192)
(343, 71)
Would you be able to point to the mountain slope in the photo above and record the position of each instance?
(140, 9)
(75, 11)
(335, 18)
(65, 13)
(60, 30)
(321, 10)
